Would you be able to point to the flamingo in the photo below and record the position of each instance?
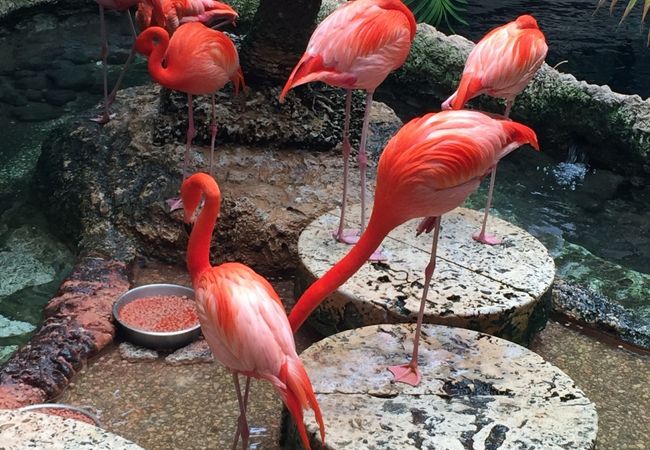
(170, 14)
(196, 60)
(500, 65)
(356, 47)
(242, 317)
(427, 169)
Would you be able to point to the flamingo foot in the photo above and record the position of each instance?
(486, 238)
(174, 204)
(425, 226)
(103, 119)
(406, 373)
(347, 236)
(378, 256)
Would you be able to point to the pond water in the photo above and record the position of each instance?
(49, 69)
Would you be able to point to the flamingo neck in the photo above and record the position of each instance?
(198, 249)
(155, 64)
(370, 240)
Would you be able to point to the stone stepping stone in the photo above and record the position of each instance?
(26, 429)
(477, 392)
(498, 290)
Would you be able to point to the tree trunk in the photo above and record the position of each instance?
(278, 37)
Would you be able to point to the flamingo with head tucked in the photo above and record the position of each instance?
(427, 169)
(196, 60)
(500, 65)
(356, 47)
(242, 317)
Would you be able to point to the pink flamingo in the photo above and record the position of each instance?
(427, 169)
(196, 60)
(169, 14)
(500, 65)
(242, 317)
(356, 47)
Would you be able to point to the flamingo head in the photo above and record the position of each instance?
(150, 39)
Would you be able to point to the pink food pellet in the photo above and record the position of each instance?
(162, 313)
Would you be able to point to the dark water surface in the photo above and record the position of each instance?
(597, 50)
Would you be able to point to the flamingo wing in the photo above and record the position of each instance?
(356, 46)
(244, 321)
(203, 60)
(204, 11)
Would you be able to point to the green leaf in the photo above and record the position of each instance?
(628, 8)
(436, 11)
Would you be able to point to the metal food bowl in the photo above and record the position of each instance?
(77, 409)
(156, 339)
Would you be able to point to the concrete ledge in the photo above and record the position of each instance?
(498, 290)
(477, 392)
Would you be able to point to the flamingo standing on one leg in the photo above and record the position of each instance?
(356, 47)
(196, 60)
(427, 169)
(170, 14)
(242, 317)
(501, 65)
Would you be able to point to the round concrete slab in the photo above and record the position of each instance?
(477, 392)
(26, 429)
(498, 290)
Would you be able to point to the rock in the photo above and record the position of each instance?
(500, 290)
(36, 112)
(59, 97)
(7, 60)
(602, 184)
(110, 183)
(12, 328)
(477, 391)
(33, 95)
(133, 353)
(15, 395)
(196, 352)
(73, 77)
(30, 80)
(28, 258)
(77, 325)
(9, 95)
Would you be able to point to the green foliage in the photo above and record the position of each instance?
(628, 8)
(434, 12)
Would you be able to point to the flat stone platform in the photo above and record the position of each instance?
(477, 392)
(498, 290)
(26, 429)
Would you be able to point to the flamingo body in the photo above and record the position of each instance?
(428, 168)
(198, 60)
(170, 14)
(356, 46)
(241, 315)
(502, 63)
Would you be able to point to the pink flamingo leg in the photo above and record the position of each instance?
(213, 128)
(242, 423)
(343, 235)
(378, 254)
(129, 60)
(105, 117)
(409, 373)
(176, 203)
(482, 236)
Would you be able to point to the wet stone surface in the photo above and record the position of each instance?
(498, 290)
(21, 429)
(477, 392)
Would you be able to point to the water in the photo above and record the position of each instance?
(596, 48)
(48, 69)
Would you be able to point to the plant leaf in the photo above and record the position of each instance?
(628, 8)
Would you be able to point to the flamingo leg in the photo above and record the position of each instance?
(342, 235)
(176, 203)
(409, 373)
(129, 60)
(509, 104)
(242, 423)
(213, 129)
(105, 117)
(482, 236)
